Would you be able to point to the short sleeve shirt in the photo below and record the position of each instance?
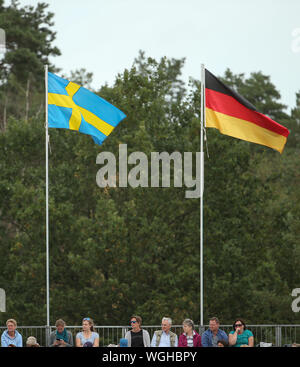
(242, 338)
(91, 339)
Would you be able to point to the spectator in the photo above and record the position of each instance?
(137, 337)
(165, 337)
(241, 336)
(189, 338)
(11, 337)
(32, 342)
(211, 336)
(61, 337)
(87, 337)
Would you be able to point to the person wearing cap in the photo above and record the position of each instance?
(87, 337)
(61, 337)
(32, 342)
(137, 337)
(11, 337)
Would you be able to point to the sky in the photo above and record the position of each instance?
(105, 36)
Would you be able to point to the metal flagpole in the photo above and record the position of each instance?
(47, 201)
(202, 119)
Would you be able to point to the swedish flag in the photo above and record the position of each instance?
(73, 107)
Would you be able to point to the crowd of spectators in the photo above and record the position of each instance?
(240, 336)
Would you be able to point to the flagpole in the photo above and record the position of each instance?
(47, 199)
(202, 119)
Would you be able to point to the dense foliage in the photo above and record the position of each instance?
(119, 251)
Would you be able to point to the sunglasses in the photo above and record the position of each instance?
(132, 322)
(238, 325)
(86, 319)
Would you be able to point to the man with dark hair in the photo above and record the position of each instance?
(211, 336)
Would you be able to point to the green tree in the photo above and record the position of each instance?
(119, 251)
(29, 45)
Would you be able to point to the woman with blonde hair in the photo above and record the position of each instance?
(11, 337)
(87, 337)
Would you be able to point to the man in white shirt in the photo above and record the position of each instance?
(165, 337)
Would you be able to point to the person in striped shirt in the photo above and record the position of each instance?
(189, 337)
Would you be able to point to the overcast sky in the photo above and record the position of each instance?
(104, 37)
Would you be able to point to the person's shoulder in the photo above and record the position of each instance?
(3, 335)
(249, 332)
(231, 332)
(95, 334)
(79, 334)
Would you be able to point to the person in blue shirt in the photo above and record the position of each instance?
(11, 337)
(241, 336)
(87, 337)
(211, 336)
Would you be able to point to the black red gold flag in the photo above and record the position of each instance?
(233, 115)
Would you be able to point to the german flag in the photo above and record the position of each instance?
(233, 115)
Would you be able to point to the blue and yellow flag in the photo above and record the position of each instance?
(76, 108)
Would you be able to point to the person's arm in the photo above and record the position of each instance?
(19, 341)
(176, 341)
(78, 341)
(146, 338)
(70, 340)
(128, 338)
(53, 342)
(199, 343)
(180, 343)
(205, 340)
(153, 342)
(251, 341)
(96, 341)
(3, 341)
(224, 336)
(232, 338)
